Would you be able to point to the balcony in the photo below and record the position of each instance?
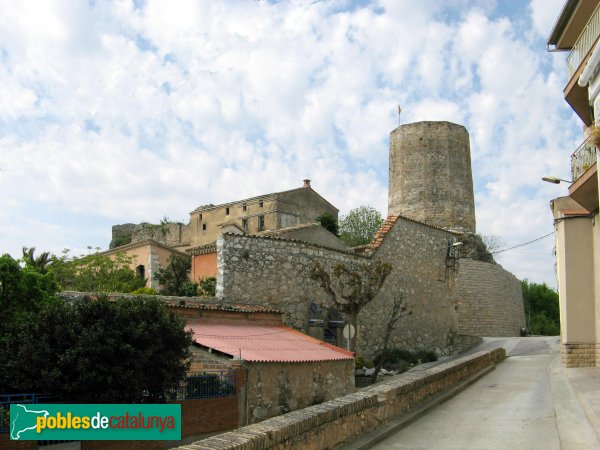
(581, 51)
(584, 170)
(584, 43)
(583, 158)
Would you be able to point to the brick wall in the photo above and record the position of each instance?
(343, 419)
(579, 355)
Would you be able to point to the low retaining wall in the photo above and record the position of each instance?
(343, 419)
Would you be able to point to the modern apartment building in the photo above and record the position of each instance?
(577, 30)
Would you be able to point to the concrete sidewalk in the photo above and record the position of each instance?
(528, 402)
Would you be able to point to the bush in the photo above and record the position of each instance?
(145, 291)
(401, 360)
(361, 362)
(207, 287)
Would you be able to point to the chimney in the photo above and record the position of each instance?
(306, 183)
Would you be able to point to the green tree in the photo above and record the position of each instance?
(330, 223)
(207, 287)
(359, 226)
(22, 288)
(96, 273)
(174, 279)
(351, 289)
(39, 263)
(97, 351)
(541, 308)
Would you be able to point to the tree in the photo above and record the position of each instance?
(96, 273)
(207, 287)
(39, 263)
(399, 309)
(174, 279)
(98, 351)
(351, 289)
(359, 226)
(492, 242)
(541, 308)
(22, 288)
(330, 223)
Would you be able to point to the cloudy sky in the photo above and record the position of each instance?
(128, 111)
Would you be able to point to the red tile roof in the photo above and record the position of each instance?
(264, 343)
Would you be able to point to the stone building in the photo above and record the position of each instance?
(575, 215)
(253, 215)
(264, 213)
(454, 298)
(148, 256)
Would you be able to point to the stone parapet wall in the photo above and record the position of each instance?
(579, 355)
(490, 300)
(344, 419)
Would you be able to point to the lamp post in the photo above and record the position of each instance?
(555, 180)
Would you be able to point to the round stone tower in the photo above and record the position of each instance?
(430, 175)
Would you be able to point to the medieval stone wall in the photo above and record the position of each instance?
(270, 271)
(490, 300)
(417, 253)
(255, 270)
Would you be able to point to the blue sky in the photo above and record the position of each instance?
(122, 111)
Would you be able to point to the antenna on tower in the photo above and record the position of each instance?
(399, 112)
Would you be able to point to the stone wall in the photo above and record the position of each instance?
(490, 300)
(344, 419)
(417, 253)
(276, 272)
(278, 388)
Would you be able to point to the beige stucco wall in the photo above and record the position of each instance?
(575, 270)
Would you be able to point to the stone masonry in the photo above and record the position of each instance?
(430, 175)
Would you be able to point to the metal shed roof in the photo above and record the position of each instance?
(264, 343)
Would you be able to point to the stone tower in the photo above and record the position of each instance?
(430, 175)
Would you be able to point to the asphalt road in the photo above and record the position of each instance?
(524, 404)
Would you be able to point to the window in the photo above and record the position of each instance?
(245, 224)
(141, 271)
(261, 223)
(200, 216)
(244, 208)
(203, 227)
(226, 211)
(260, 204)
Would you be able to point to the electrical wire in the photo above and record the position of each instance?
(523, 244)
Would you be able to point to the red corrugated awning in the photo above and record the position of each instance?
(264, 343)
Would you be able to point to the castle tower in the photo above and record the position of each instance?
(430, 175)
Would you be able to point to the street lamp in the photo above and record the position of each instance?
(555, 180)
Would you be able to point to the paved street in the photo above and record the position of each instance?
(528, 402)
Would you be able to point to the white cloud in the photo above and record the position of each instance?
(111, 113)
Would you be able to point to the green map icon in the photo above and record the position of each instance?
(23, 418)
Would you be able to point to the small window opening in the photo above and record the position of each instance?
(141, 271)
(203, 227)
(244, 208)
(226, 211)
(260, 204)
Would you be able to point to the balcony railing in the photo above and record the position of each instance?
(584, 43)
(583, 158)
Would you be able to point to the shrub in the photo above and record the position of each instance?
(145, 291)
